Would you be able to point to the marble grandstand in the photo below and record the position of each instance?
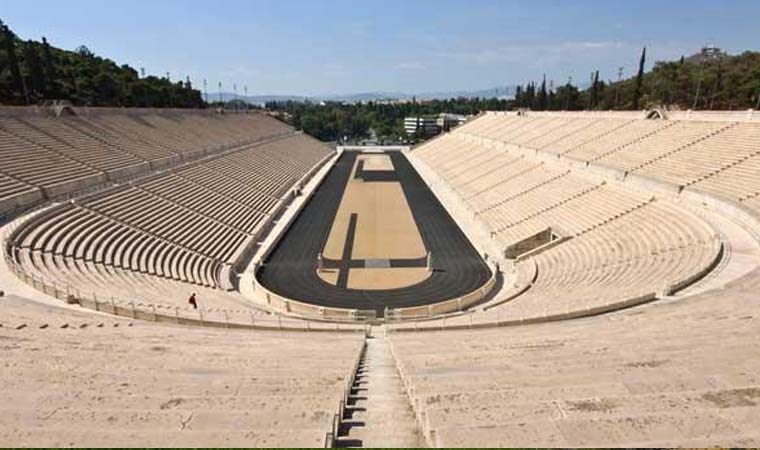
(624, 312)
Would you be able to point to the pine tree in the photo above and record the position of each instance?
(639, 80)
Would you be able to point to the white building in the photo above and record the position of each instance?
(428, 126)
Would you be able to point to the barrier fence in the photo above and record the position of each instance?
(458, 304)
(280, 304)
(204, 317)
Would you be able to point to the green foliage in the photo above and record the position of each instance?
(639, 80)
(31, 72)
(334, 121)
(728, 82)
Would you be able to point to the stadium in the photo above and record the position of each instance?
(527, 278)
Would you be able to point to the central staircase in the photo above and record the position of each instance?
(378, 413)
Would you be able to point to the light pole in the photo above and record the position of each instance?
(145, 92)
(234, 95)
(171, 91)
(220, 94)
(205, 91)
(617, 86)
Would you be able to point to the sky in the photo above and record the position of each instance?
(316, 47)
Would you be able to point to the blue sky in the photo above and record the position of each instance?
(314, 47)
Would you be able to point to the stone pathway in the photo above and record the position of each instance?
(379, 413)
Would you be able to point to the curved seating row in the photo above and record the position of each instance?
(60, 155)
(619, 243)
(517, 196)
(186, 225)
(677, 375)
(707, 157)
(650, 249)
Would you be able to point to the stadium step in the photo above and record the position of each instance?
(378, 412)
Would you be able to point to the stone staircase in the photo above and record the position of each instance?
(378, 412)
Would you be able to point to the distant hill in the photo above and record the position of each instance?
(32, 71)
(502, 93)
(256, 99)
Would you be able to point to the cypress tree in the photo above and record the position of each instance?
(639, 80)
(51, 74)
(518, 96)
(595, 90)
(542, 98)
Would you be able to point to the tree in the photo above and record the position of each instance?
(106, 89)
(84, 52)
(639, 79)
(594, 98)
(542, 96)
(35, 80)
(9, 45)
(51, 73)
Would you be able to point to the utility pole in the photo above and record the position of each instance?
(205, 91)
(246, 97)
(567, 94)
(171, 91)
(220, 94)
(235, 97)
(145, 92)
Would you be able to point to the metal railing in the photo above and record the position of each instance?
(204, 317)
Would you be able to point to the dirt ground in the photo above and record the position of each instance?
(385, 229)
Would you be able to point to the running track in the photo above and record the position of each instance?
(290, 270)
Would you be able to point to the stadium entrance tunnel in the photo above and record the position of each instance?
(374, 237)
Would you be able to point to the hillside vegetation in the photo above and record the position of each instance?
(333, 121)
(710, 79)
(32, 71)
